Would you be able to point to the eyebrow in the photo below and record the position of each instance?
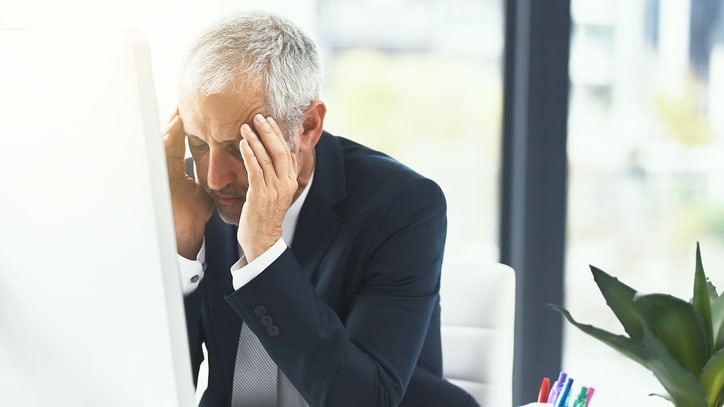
(194, 138)
(199, 140)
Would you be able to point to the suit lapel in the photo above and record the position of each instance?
(318, 220)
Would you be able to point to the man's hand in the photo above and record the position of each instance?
(272, 172)
(192, 206)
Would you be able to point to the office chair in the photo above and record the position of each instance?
(477, 328)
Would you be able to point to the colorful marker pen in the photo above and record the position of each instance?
(557, 387)
(565, 394)
(544, 390)
(580, 401)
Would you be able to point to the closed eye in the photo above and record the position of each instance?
(196, 144)
(233, 149)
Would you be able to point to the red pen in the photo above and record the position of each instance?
(545, 386)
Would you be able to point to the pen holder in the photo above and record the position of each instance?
(537, 405)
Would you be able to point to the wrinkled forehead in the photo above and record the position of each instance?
(219, 115)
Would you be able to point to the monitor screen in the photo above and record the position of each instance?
(91, 309)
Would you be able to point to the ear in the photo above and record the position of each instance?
(312, 126)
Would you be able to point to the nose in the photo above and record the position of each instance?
(221, 171)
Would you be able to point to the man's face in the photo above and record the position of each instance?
(212, 125)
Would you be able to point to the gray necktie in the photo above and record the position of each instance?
(255, 374)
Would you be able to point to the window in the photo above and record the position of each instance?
(646, 180)
(421, 80)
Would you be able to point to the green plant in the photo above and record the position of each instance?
(680, 342)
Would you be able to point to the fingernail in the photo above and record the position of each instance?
(259, 118)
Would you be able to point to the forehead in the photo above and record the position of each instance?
(221, 114)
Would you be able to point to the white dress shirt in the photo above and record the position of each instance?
(192, 272)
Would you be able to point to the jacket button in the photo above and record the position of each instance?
(259, 310)
(266, 321)
(272, 330)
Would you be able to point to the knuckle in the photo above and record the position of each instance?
(281, 155)
(266, 160)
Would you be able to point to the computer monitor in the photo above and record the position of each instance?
(91, 309)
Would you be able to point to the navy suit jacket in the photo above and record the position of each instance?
(351, 310)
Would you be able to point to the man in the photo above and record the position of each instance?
(311, 263)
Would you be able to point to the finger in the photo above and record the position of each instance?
(292, 159)
(295, 166)
(253, 169)
(174, 127)
(273, 139)
(263, 158)
(173, 138)
(277, 129)
(174, 114)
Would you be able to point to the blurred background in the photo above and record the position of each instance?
(423, 80)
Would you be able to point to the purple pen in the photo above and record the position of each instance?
(557, 387)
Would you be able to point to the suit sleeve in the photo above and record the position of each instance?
(368, 360)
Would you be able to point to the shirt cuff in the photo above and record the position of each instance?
(243, 272)
(191, 272)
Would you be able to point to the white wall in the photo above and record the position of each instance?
(170, 25)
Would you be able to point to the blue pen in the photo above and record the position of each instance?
(563, 399)
(557, 387)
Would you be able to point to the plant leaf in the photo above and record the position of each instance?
(627, 346)
(712, 290)
(717, 318)
(701, 301)
(681, 385)
(619, 298)
(663, 396)
(712, 378)
(679, 328)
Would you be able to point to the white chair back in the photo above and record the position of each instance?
(478, 329)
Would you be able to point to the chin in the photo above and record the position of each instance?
(229, 215)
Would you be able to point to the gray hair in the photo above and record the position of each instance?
(265, 48)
